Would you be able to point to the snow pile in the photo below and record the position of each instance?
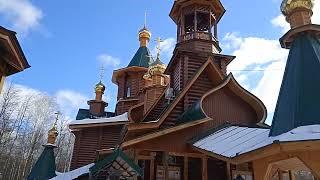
(74, 173)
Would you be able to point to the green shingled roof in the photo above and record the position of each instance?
(45, 166)
(117, 161)
(142, 58)
(299, 99)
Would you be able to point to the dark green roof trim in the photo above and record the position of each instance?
(85, 114)
(114, 157)
(299, 100)
(142, 58)
(191, 114)
(45, 167)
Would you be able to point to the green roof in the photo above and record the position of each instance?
(117, 161)
(142, 58)
(193, 113)
(45, 167)
(299, 99)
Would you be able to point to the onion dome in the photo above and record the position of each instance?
(288, 6)
(52, 135)
(144, 36)
(156, 68)
(100, 87)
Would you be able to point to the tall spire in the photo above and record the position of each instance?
(298, 100)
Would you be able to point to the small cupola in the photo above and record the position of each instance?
(155, 80)
(297, 12)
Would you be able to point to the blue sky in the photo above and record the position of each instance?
(66, 41)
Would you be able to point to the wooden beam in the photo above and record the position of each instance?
(185, 168)
(205, 168)
(164, 132)
(194, 155)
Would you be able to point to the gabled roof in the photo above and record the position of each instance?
(142, 58)
(154, 124)
(116, 162)
(45, 167)
(299, 100)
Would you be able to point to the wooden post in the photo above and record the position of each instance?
(204, 168)
(185, 168)
(228, 171)
(165, 165)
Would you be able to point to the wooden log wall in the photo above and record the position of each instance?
(89, 140)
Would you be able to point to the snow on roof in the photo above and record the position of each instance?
(120, 118)
(234, 140)
(74, 173)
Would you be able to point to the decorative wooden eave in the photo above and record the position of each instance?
(163, 132)
(252, 100)
(15, 58)
(151, 125)
(132, 109)
(178, 4)
(121, 72)
(287, 39)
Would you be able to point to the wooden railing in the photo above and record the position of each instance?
(197, 35)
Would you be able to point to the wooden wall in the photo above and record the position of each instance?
(225, 106)
(89, 140)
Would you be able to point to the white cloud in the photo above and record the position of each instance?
(24, 15)
(262, 56)
(108, 60)
(70, 101)
(281, 22)
(254, 51)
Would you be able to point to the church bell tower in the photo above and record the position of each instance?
(197, 24)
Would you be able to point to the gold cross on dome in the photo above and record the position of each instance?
(159, 41)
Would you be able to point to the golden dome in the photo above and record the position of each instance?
(100, 87)
(144, 36)
(52, 135)
(288, 6)
(156, 68)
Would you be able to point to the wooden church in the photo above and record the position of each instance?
(192, 120)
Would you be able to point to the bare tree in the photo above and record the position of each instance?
(25, 119)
